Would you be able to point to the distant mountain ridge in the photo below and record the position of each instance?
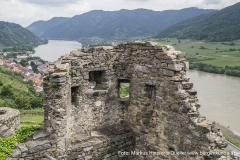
(112, 24)
(14, 34)
(222, 25)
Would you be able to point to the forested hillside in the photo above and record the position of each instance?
(222, 25)
(13, 34)
(112, 24)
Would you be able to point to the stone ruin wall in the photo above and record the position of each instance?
(9, 121)
(160, 114)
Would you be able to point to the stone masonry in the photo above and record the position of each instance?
(9, 121)
(160, 114)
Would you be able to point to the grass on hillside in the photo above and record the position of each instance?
(215, 53)
(15, 89)
(15, 81)
(31, 120)
(32, 117)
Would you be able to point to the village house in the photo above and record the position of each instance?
(38, 89)
(27, 71)
(41, 68)
(22, 56)
(2, 62)
(6, 53)
(9, 62)
(15, 69)
(35, 61)
(17, 60)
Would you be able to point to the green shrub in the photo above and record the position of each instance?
(7, 144)
(22, 102)
(6, 90)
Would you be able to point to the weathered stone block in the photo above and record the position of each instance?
(62, 67)
(16, 153)
(175, 67)
(58, 80)
(37, 146)
(181, 94)
(167, 72)
(40, 134)
(58, 75)
(22, 147)
(187, 85)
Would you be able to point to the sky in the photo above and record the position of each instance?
(25, 12)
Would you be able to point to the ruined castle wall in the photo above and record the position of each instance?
(58, 119)
(98, 107)
(161, 112)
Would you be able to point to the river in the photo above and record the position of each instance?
(55, 48)
(219, 95)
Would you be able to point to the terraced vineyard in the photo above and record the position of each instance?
(16, 93)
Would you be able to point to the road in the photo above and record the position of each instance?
(235, 150)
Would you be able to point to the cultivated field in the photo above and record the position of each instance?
(214, 53)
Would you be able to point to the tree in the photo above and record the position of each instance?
(36, 102)
(31, 89)
(35, 70)
(32, 64)
(30, 82)
(24, 62)
(6, 90)
(22, 102)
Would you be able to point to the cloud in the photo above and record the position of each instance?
(24, 12)
(214, 2)
(52, 3)
(138, 0)
(74, 9)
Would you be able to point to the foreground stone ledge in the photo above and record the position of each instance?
(9, 121)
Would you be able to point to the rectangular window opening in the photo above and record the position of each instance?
(74, 93)
(124, 88)
(150, 91)
(97, 80)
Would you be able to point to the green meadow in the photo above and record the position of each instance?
(32, 117)
(215, 53)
